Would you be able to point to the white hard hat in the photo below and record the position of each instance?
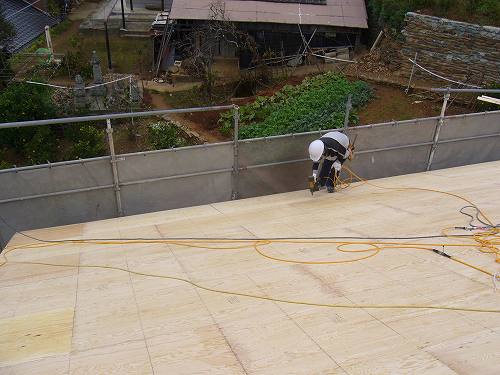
(316, 149)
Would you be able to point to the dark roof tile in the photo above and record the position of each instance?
(28, 23)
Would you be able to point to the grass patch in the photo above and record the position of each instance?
(129, 55)
(197, 97)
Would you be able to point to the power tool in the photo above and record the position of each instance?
(313, 185)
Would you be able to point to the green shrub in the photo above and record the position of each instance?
(24, 102)
(162, 135)
(317, 103)
(41, 147)
(88, 141)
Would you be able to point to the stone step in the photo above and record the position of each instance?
(137, 28)
(136, 35)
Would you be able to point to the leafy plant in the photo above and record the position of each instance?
(162, 135)
(20, 102)
(41, 147)
(316, 103)
(88, 141)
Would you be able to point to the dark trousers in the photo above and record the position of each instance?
(327, 174)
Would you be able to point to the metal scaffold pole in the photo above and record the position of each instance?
(348, 107)
(114, 168)
(124, 27)
(411, 74)
(236, 120)
(438, 130)
(108, 49)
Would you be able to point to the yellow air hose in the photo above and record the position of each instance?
(486, 241)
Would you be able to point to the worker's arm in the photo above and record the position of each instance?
(342, 158)
(315, 170)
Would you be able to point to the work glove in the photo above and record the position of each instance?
(337, 166)
(314, 176)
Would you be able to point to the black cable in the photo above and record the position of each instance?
(471, 226)
(229, 239)
(476, 217)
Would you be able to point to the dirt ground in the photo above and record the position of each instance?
(203, 123)
(392, 104)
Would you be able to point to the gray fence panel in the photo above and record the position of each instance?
(470, 125)
(58, 210)
(176, 193)
(89, 173)
(150, 181)
(274, 149)
(486, 147)
(472, 151)
(394, 134)
(133, 167)
(394, 162)
(293, 147)
(273, 179)
(288, 177)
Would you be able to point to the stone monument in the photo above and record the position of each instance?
(80, 95)
(97, 73)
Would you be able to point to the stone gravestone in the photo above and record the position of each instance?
(99, 92)
(135, 93)
(80, 95)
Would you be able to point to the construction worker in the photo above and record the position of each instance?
(333, 150)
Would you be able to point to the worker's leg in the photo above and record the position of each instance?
(330, 183)
(333, 175)
(324, 174)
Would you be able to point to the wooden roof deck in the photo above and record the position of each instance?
(85, 320)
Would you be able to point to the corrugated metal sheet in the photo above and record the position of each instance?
(343, 13)
(29, 23)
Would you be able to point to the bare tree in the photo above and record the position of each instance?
(205, 40)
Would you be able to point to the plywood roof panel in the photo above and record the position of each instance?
(75, 318)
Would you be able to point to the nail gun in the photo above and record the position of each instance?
(313, 185)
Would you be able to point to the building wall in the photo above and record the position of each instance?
(457, 50)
